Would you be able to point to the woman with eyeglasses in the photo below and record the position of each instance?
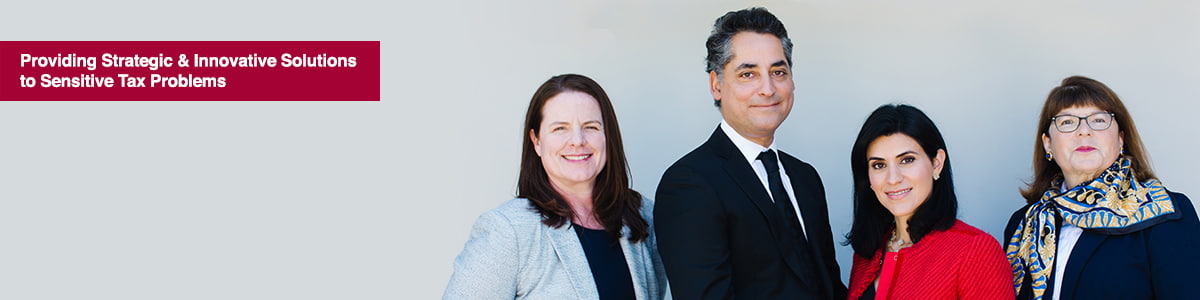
(1099, 224)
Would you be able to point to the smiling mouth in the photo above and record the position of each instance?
(898, 194)
(577, 157)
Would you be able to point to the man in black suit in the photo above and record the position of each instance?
(730, 222)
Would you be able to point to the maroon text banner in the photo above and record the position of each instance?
(189, 71)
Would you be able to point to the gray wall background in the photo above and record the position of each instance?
(372, 200)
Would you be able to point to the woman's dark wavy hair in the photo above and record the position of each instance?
(872, 221)
(1083, 91)
(614, 203)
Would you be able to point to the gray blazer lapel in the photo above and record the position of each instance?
(570, 253)
(641, 267)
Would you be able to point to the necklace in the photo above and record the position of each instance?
(896, 243)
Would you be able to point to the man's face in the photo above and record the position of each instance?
(756, 86)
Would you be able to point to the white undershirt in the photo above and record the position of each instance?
(1067, 236)
(751, 150)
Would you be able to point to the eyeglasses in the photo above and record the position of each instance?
(1069, 123)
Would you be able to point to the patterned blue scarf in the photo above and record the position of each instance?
(1114, 203)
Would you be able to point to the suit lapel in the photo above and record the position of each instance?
(1080, 255)
(804, 200)
(809, 212)
(570, 253)
(743, 174)
(740, 171)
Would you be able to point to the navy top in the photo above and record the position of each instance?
(607, 263)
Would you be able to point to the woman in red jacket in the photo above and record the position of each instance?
(907, 241)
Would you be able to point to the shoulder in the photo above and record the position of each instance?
(790, 162)
(500, 232)
(1184, 223)
(501, 245)
(516, 208)
(1182, 203)
(969, 245)
(801, 171)
(694, 169)
(704, 155)
(961, 227)
(965, 234)
(698, 157)
(511, 225)
(963, 230)
(1185, 210)
(517, 213)
(647, 210)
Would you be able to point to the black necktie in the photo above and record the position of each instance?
(782, 201)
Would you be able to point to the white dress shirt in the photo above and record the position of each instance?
(1068, 235)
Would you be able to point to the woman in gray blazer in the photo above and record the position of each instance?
(576, 229)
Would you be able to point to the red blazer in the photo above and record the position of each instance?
(962, 262)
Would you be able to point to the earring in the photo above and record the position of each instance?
(936, 176)
(1049, 156)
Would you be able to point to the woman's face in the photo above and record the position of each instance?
(901, 173)
(1085, 152)
(571, 140)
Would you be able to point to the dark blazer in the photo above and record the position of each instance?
(721, 236)
(1159, 262)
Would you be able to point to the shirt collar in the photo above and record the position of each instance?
(748, 149)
